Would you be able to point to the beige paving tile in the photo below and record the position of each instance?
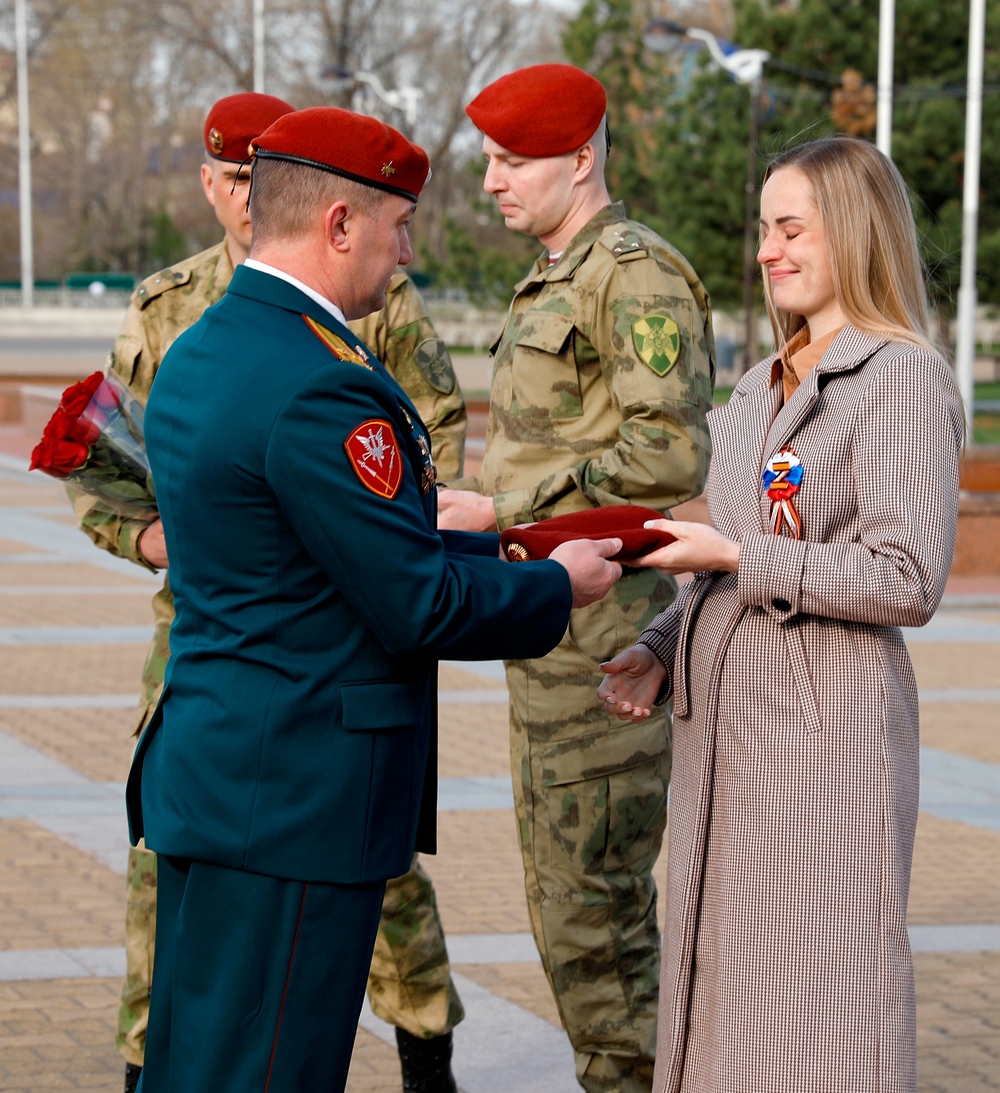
(12, 546)
(458, 679)
(16, 575)
(71, 669)
(958, 1022)
(941, 665)
(478, 874)
(374, 1066)
(956, 873)
(97, 743)
(523, 984)
(61, 609)
(59, 1035)
(474, 741)
(965, 728)
(53, 896)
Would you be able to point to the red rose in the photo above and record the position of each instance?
(81, 430)
(57, 456)
(77, 398)
(106, 397)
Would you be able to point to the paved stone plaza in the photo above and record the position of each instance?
(73, 628)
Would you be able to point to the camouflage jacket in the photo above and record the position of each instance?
(404, 339)
(170, 301)
(602, 377)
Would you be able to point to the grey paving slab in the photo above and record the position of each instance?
(471, 794)
(68, 702)
(76, 635)
(477, 698)
(951, 628)
(65, 540)
(500, 1047)
(955, 939)
(954, 787)
(960, 694)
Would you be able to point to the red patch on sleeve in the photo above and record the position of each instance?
(374, 454)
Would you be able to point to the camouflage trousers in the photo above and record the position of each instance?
(409, 984)
(590, 795)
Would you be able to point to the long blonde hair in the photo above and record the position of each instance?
(870, 237)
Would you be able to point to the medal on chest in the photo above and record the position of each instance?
(782, 478)
(428, 473)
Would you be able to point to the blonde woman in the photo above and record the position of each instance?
(833, 493)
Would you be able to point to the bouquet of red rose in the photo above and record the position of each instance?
(95, 439)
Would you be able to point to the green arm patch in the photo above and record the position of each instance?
(657, 340)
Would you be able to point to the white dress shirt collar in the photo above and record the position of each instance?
(327, 305)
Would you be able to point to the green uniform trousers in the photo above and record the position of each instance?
(258, 982)
(409, 983)
(590, 794)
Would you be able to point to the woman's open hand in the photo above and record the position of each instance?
(631, 683)
(698, 547)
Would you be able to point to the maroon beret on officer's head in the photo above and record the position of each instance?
(351, 145)
(235, 120)
(540, 111)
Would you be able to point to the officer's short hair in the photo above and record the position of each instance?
(285, 197)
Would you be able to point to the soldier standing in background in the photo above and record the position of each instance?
(602, 378)
(410, 983)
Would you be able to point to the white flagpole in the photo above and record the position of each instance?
(24, 157)
(886, 58)
(965, 351)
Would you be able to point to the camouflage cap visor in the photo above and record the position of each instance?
(657, 340)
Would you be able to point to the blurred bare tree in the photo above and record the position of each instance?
(119, 89)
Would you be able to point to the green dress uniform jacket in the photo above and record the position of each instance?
(317, 606)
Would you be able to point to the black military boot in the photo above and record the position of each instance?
(132, 1073)
(426, 1063)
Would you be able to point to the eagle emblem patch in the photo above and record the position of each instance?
(373, 452)
(657, 340)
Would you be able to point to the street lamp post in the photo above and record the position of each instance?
(746, 66)
(24, 156)
(405, 99)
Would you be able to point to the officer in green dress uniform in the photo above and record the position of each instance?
(289, 767)
(602, 378)
(410, 982)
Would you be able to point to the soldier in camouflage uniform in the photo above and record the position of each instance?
(410, 983)
(602, 378)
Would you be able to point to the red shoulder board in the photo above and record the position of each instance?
(374, 454)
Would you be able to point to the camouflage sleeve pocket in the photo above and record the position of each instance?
(125, 354)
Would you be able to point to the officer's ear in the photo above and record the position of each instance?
(337, 222)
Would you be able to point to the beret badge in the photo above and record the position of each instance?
(388, 170)
(216, 141)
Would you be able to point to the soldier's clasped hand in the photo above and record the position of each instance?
(590, 572)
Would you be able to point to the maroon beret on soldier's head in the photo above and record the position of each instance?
(540, 111)
(351, 145)
(235, 120)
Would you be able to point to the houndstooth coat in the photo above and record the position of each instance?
(786, 964)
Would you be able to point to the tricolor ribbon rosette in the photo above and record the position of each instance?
(782, 479)
(95, 440)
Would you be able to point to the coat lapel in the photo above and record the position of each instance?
(736, 429)
(849, 349)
